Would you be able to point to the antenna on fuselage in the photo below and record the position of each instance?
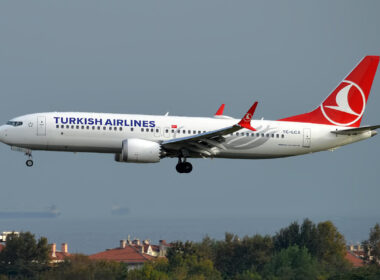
(167, 114)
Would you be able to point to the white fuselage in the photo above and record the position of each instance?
(104, 133)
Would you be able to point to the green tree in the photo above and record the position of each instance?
(150, 271)
(287, 237)
(189, 261)
(292, 263)
(368, 272)
(234, 256)
(331, 244)
(372, 245)
(305, 235)
(23, 255)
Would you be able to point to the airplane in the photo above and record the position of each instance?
(150, 138)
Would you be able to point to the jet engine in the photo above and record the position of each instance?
(139, 151)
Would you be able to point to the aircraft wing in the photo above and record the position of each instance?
(204, 143)
(356, 130)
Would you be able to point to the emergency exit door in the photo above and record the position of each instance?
(306, 137)
(41, 126)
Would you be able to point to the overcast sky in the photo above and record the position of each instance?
(187, 57)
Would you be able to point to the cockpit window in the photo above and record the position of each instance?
(12, 123)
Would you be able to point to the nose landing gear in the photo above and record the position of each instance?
(183, 166)
(29, 162)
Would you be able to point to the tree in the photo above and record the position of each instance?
(24, 256)
(372, 245)
(188, 261)
(305, 235)
(234, 256)
(292, 263)
(331, 244)
(287, 237)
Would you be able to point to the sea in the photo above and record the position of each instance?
(89, 236)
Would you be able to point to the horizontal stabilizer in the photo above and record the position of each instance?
(356, 130)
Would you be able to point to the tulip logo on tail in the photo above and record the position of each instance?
(248, 117)
(346, 105)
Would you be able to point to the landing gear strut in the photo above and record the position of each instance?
(183, 166)
(29, 162)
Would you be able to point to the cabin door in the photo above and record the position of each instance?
(306, 137)
(41, 126)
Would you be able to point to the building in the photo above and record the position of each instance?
(355, 260)
(134, 253)
(4, 234)
(59, 256)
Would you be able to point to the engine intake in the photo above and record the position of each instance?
(139, 151)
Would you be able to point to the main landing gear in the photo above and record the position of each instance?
(29, 162)
(183, 166)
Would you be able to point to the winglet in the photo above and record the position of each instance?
(246, 120)
(220, 110)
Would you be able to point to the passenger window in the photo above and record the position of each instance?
(237, 133)
(172, 130)
(131, 128)
(93, 128)
(199, 132)
(189, 131)
(62, 126)
(277, 135)
(178, 131)
(98, 127)
(67, 126)
(157, 130)
(104, 128)
(88, 127)
(142, 130)
(272, 135)
(151, 130)
(120, 128)
(184, 131)
(57, 126)
(204, 131)
(77, 126)
(167, 130)
(72, 127)
(110, 128)
(282, 136)
(115, 128)
(194, 132)
(262, 134)
(82, 126)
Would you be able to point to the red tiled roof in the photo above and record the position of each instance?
(60, 256)
(128, 254)
(355, 261)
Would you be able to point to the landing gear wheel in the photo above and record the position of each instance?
(188, 167)
(29, 163)
(179, 167)
(184, 167)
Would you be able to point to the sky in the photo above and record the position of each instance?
(187, 58)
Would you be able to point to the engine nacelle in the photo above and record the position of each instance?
(139, 151)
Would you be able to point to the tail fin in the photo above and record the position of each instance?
(346, 104)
